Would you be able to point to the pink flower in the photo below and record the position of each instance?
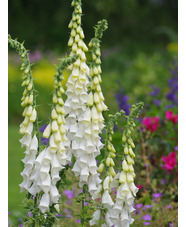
(139, 186)
(151, 123)
(170, 161)
(170, 116)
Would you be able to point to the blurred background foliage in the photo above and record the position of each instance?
(139, 49)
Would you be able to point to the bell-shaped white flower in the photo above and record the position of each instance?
(96, 217)
(107, 200)
(44, 202)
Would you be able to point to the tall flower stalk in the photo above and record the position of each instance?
(28, 127)
(52, 158)
(77, 95)
(124, 180)
(106, 168)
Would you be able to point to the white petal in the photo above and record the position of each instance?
(46, 184)
(25, 140)
(106, 183)
(44, 172)
(94, 114)
(34, 143)
(96, 217)
(34, 189)
(92, 165)
(129, 198)
(29, 128)
(76, 169)
(40, 157)
(44, 203)
(133, 188)
(47, 156)
(54, 194)
(107, 200)
(107, 220)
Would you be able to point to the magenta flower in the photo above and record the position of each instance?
(69, 194)
(139, 186)
(146, 223)
(171, 117)
(151, 123)
(170, 161)
(78, 221)
(157, 195)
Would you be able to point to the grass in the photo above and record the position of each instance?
(15, 154)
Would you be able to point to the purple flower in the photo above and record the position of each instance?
(78, 221)
(157, 195)
(156, 102)
(163, 181)
(147, 217)
(68, 216)
(66, 210)
(69, 194)
(146, 223)
(44, 140)
(155, 91)
(147, 207)
(9, 212)
(176, 148)
(68, 202)
(169, 206)
(35, 56)
(43, 127)
(19, 219)
(122, 100)
(139, 206)
(59, 215)
(171, 224)
(20, 225)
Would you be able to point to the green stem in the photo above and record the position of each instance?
(83, 224)
(100, 218)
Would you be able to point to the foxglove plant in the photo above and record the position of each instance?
(124, 180)
(107, 168)
(84, 121)
(52, 158)
(77, 96)
(74, 129)
(28, 127)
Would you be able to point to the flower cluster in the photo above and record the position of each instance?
(172, 95)
(84, 123)
(154, 94)
(124, 180)
(171, 116)
(151, 123)
(107, 166)
(170, 161)
(53, 158)
(122, 101)
(28, 140)
(77, 97)
(117, 213)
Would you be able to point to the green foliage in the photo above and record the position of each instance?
(134, 24)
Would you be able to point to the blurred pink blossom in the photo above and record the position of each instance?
(170, 161)
(170, 116)
(151, 123)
